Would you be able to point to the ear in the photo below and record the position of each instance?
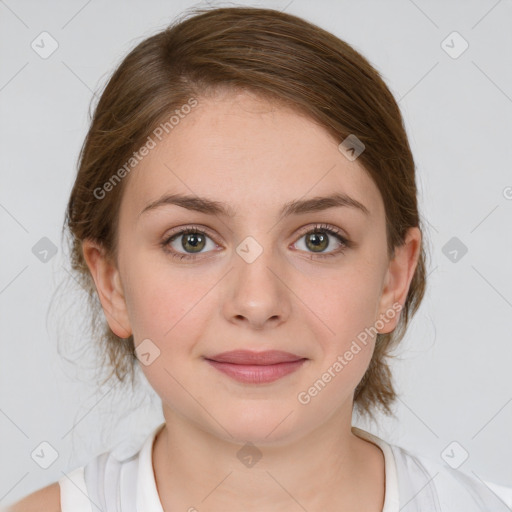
(108, 285)
(398, 279)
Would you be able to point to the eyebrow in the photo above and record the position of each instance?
(296, 207)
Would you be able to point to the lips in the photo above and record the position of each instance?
(247, 357)
(256, 367)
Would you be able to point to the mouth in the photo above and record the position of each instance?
(256, 367)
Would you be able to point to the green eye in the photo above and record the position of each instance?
(191, 242)
(317, 241)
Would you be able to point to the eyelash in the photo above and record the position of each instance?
(322, 228)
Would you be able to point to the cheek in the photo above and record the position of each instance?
(345, 343)
(345, 303)
(165, 307)
(157, 295)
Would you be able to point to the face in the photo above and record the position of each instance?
(265, 275)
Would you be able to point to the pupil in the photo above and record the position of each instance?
(318, 240)
(194, 240)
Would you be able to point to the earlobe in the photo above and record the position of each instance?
(398, 279)
(108, 285)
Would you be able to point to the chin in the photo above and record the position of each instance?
(263, 423)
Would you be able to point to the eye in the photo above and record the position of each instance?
(317, 240)
(192, 240)
(190, 243)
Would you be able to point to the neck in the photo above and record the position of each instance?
(195, 469)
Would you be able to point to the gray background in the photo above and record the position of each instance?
(454, 367)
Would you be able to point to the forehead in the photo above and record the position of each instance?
(249, 152)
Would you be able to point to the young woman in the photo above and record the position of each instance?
(245, 211)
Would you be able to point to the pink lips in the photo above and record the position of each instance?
(256, 367)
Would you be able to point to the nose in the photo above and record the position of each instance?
(256, 292)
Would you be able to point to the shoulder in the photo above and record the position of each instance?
(424, 480)
(72, 492)
(46, 499)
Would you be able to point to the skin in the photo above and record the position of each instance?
(254, 156)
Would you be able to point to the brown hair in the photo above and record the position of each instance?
(281, 57)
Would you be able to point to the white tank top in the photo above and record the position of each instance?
(413, 484)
